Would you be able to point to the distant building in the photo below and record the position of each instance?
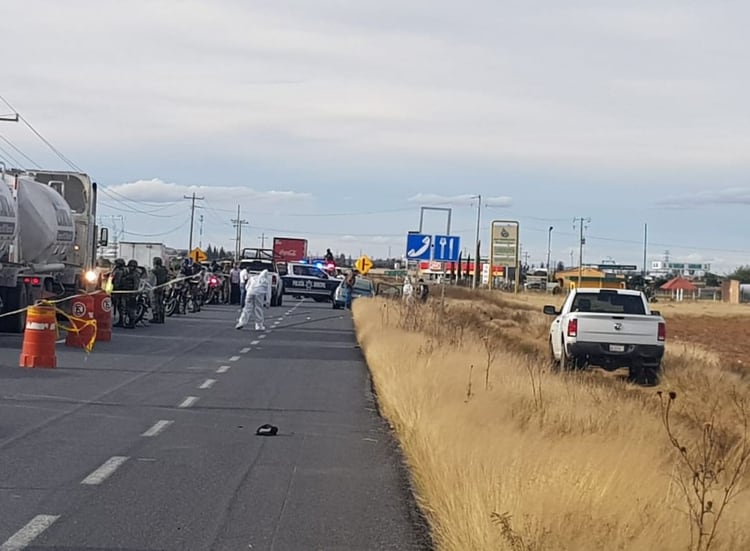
(590, 278)
(666, 269)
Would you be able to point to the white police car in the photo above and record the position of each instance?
(307, 281)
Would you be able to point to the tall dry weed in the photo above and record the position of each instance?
(534, 460)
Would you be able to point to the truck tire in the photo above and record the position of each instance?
(570, 363)
(644, 374)
(15, 298)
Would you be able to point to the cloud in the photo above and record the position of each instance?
(727, 196)
(159, 191)
(459, 200)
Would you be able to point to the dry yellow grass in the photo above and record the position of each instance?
(538, 461)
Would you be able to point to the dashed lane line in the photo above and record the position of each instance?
(262, 337)
(26, 535)
(158, 427)
(234, 359)
(188, 402)
(105, 471)
(244, 350)
(223, 369)
(208, 383)
(254, 343)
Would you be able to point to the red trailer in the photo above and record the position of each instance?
(289, 249)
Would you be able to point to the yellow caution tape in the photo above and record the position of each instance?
(88, 346)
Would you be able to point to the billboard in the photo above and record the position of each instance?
(289, 249)
(504, 243)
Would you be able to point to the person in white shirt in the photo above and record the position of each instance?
(258, 297)
(244, 275)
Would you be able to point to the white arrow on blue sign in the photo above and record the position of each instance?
(447, 248)
(418, 246)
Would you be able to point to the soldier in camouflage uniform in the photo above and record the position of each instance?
(130, 282)
(161, 276)
(119, 299)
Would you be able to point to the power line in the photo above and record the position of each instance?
(158, 234)
(32, 161)
(11, 157)
(42, 138)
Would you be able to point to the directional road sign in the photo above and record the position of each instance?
(198, 255)
(447, 248)
(418, 246)
(363, 265)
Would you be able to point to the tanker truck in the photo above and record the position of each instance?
(48, 239)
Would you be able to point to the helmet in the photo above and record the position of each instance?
(119, 263)
(132, 263)
(157, 261)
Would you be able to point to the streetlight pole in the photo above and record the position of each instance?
(475, 280)
(549, 250)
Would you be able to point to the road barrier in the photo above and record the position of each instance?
(103, 316)
(83, 327)
(39, 338)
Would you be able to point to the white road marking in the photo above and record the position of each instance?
(187, 402)
(105, 471)
(244, 351)
(253, 343)
(234, 358)
(21, 539)
(223, 369)
(262, 337)
(208, 383)
(158, 427)
(59, 341)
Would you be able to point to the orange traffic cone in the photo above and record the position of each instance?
(39, 338)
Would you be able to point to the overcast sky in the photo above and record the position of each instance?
(338, 120)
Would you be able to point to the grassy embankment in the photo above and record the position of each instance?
(506, 454)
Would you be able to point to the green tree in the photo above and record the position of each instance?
(742, 273)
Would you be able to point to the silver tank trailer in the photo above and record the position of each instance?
(46, 231)
(8, 221)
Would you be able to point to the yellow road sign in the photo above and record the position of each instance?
(363, 264)
(198, 255)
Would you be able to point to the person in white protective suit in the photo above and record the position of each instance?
(257, 297)
(407, 290)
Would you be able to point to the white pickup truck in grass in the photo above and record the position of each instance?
(611, 328)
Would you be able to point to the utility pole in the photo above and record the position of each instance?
(262, 240)
(580, 221)
(645, 246)
(475, 279)
(549, 251)
(200, 234)
(193, 198)
(238, 223)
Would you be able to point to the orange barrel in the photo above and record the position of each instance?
(39, 338)
(103, 316)
(82, 311)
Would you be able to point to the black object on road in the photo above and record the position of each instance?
(267, 430)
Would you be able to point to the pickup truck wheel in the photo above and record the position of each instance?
(567, 363)
(644, 375)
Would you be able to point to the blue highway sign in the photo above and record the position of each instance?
(447, 248)
(418, 246)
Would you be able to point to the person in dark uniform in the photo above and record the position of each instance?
(119, 298)
(423, 291)
(130, 282)
(161, 276)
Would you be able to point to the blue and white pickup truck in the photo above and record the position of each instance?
(611, 328)
(307, 281)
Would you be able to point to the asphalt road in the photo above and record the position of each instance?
(149, 441)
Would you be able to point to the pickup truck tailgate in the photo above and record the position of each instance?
(617, 328)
